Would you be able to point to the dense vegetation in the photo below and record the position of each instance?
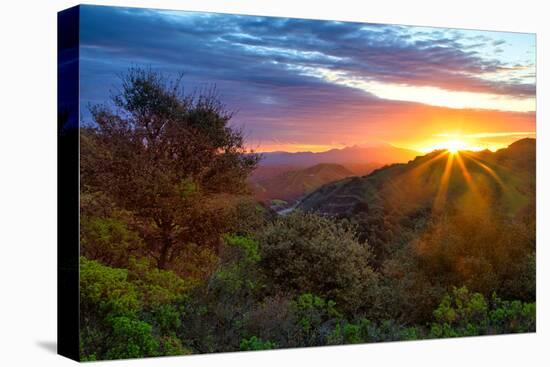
(179, 258)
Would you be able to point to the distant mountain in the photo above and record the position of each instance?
(289, 186)
(288, 176)
(356, 155)
(503, 181)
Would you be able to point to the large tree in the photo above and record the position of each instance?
(165, 158)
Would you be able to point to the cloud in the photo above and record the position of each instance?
(218, 45)
(257, 63)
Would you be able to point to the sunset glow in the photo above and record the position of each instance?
(307, 86)
(453, 146)
(470, 142)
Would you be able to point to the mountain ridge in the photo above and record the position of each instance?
(381, 154)
(504, 175)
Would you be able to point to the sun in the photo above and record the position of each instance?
(453, 146)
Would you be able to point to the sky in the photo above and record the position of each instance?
(313, 85)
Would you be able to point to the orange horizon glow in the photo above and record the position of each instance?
(419, 128)
(451, 143)
(294, 147)
(472, 142)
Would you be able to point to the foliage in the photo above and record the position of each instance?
(107, 291)
(464, 313)
(472, 249)
(172, 346)
(254, 343)
(155, 286)
(367, 331)
(247, 245)
(129, 313)
(314, 315)
(216, 311)
(159, 156)
(304, 252)
(108, 240)
(238, 269)
(408, 295)
(131, 338)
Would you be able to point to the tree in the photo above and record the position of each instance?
(168, 159)
(305, 252)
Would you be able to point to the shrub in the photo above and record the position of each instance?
(129, 313)
(131, 338)
(305, 252)
(106, 290)
(255, 343)
(156, 286)
(314, 318)
(463, 313)
(108, 240)
(172, 346)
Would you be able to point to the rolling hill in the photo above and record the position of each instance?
(286, 177)
(503, 181)
(289, 186)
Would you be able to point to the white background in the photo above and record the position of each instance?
(28, 183)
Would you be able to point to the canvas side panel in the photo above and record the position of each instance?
(68, 183)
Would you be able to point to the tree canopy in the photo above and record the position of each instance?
(162, 156)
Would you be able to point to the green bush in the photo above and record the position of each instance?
(129, 313)
(167, 318)
(314, 317)
(247, 245)
(305, 252)
(238, 271)
(156, 286)
(366, 331)
(108, 240)
(106, 290)
(255, 343)
(131, 338)
(463, 313)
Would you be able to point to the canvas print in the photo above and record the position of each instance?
(249, 183)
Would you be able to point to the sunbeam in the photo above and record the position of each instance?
(466, 174)
(488, 169)
(441, 196)
(425, 165)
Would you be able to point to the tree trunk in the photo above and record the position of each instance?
(163, 258)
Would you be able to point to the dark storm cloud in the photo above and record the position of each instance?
(257, 62)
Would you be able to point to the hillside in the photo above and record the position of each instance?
(286, 177)
(502, 180)
(290, 185)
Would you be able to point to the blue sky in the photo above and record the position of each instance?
(295, 81)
